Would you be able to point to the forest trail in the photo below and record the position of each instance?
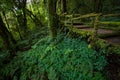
(113, 38)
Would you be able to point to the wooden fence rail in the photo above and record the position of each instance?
(70, 18)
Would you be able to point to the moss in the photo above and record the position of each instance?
(53, 21)
(109, 35)
(109, 15)
(84, 34)
(110, 23)
(98, 44)
(87, 16)
(114, 50)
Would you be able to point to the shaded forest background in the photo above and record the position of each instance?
(36, 45)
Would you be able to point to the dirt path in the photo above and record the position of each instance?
(100, 31)
(112, 40)
(114, 60)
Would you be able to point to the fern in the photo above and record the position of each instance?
(66, 59)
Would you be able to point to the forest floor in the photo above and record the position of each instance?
(114, 60)
(114, 39)
(113, 67)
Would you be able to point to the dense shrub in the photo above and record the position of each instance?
(63, 59)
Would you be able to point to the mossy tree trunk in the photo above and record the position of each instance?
(7, 37)
(24, 16)
(21, 16)
(64, 6)
(53, 22)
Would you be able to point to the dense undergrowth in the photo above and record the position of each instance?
(63, 59)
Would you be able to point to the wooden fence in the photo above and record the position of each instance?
(68, 21)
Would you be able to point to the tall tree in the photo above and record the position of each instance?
(52, 18)
(24, 15)
(19, 8)
(6, 35)
(64, 6)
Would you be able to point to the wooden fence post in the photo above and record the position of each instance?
(96, 25)
(71, 18)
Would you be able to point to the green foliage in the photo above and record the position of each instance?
(33, 38)
(111, 24)
(64, 59)
(99, 45)
(3, 56)
(88, 6)
(115, 19)
(114, 50)
(1, 43)
(38, 8)
(77, 32)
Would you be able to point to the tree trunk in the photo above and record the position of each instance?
(24, 16)
(17, 25)
(52, 18)
(21, 16)
(64, 7)
(6, 19)
(6, 35)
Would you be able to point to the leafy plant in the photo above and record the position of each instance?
(63, 59)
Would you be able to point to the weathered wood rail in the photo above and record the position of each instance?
(69, 19)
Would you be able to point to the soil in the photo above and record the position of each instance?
(112, 40)
(112, 71)
(100, 31)
(113, 67)
(81, 26)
